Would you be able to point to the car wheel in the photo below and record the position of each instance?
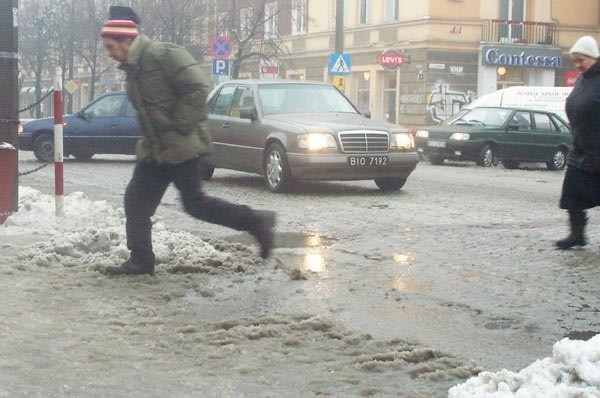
(510, 164)
(390, 184)
(487, 156)
(436, 160)
(277, 170)
(83, 155)
(559, 160)
(43, 148)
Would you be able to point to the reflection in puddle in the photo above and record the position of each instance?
(410, 285)
(404, 258)
(294, 240)
(314, 262)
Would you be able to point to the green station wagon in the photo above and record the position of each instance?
(488, 134)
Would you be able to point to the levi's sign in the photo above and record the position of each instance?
(523, 57)
(391, 59)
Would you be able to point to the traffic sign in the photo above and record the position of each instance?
(339, 82)
(220, 47)
(339, 64)
(220, 67)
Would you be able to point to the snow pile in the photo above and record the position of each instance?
(92, 233)
(573, 371)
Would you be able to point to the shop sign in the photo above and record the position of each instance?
(522, 57)
(269, 69)
(437, 66)
(457, 69)
(391, 59)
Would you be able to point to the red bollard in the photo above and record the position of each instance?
(8, 180)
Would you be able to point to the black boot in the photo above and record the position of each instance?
(129, 268)
(577, 221)
(262, 230)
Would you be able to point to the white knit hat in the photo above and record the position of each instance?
(586, 45)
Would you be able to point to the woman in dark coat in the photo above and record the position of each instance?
(581, 186)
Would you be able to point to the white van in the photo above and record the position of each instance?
(528, 97)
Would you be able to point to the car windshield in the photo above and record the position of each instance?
(492, 117)
(302, 98)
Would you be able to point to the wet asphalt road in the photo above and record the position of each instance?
(460, 259)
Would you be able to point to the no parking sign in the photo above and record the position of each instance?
(220, 47)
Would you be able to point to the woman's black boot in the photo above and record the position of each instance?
(577, 221)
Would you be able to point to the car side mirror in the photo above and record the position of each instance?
(513, 126)
(367, 114)
(248, 113)
(84, 115)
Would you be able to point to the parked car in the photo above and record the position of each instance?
(488, 134)
(106, 125)
(289, 130)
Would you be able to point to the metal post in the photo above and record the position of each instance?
(58, 144)
(9, 100)
(339, 26)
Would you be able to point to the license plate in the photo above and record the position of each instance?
(365, 161)
(436, 144)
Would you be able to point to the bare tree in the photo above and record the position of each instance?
(176, 21)
(91, 16)
(252, 25)
(35, 18)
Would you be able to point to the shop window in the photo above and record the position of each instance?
(389, 97)
(363, 91)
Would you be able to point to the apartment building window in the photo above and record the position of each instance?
(270, 20)
(391, 10)
(512, 11)
(246, 23)
(223, 24)
(299, 17)
(364, 12)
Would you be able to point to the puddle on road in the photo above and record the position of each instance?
(295, 240)
(410, 285)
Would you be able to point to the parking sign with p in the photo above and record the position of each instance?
(220, 67)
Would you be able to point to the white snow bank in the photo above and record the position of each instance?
(572, 372)
(92, 233)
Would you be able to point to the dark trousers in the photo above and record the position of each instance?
(146, 189)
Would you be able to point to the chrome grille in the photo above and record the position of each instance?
(364, 141)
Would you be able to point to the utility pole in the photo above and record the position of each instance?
(339, 26)
(71, 54)
(9, 100)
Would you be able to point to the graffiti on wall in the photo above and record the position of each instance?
(442, 102)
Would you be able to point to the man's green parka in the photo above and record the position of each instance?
(167, 88)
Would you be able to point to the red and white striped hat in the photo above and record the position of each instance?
(122, 22)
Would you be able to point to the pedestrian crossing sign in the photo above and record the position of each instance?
(339, 64)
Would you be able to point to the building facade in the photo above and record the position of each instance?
(418, 62)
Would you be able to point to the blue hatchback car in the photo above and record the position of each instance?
(107, 125)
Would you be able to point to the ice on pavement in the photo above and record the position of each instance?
(91, 233)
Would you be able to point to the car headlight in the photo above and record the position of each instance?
(460, 136)
(402, 141)
(316, 141)
(20, 128)
(422, 134)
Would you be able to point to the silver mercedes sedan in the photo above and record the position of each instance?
(289, 130)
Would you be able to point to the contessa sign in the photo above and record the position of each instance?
(520, 56)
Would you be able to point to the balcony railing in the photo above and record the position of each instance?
(506, 31)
